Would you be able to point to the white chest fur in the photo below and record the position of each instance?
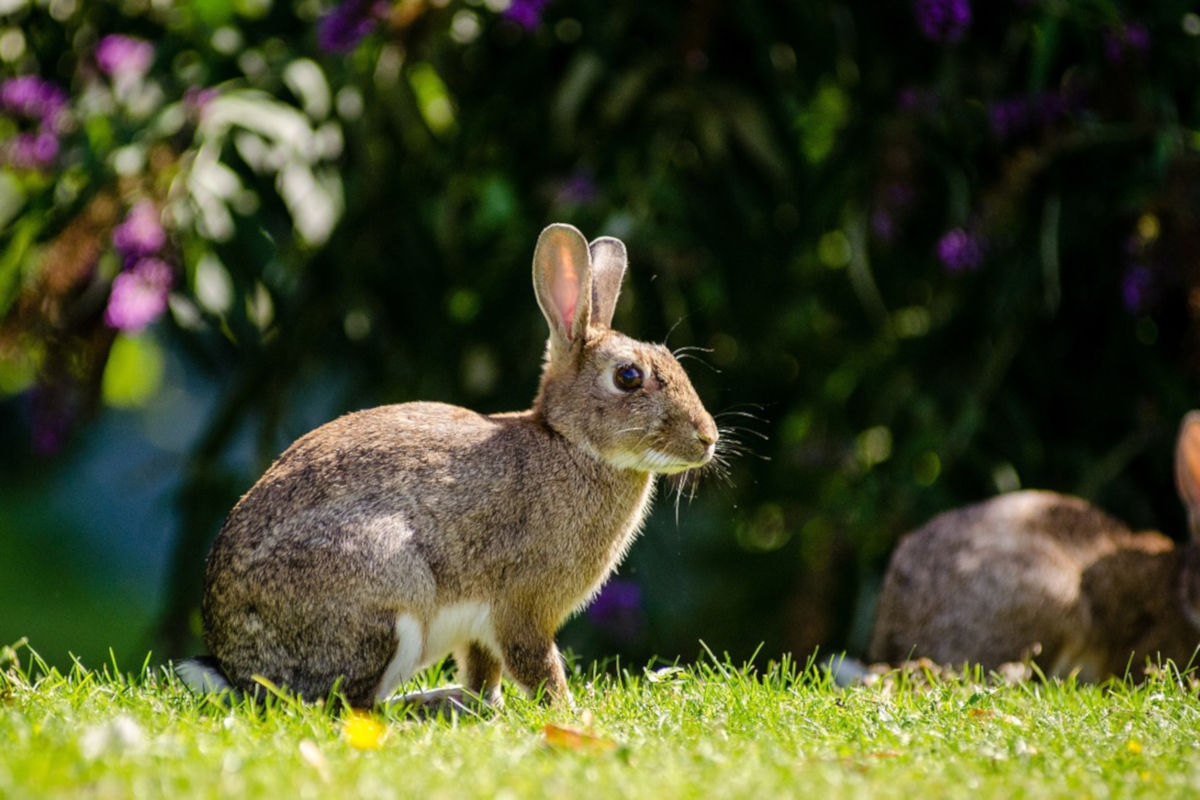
(419, 643)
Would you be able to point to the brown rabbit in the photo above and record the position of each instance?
(386, 539)
(1050, 576)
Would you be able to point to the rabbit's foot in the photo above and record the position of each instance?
(447, 701)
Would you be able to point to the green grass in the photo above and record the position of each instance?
(711, 730)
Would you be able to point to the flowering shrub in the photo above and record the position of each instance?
(113, 193)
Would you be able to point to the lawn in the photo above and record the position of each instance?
(708, 730)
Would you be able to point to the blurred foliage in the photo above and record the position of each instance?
(934, 251)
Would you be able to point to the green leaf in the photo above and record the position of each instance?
(18, 368)
(433, 99)
(213, 13)
(14, 256)
(822, 121)
(134, 371)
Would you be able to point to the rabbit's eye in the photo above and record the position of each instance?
(627, 377)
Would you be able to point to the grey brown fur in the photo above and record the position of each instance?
(423, 509)
(1049, 576)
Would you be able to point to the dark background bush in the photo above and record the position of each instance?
(934, 250)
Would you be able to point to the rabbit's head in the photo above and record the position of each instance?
(1187, 469)
(626, 402)
(1187, 480)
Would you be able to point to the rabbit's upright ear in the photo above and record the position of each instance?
(562, 281)
(608, 269)
(1187, 469)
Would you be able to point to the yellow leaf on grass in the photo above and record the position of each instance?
(561, 737)
(363, 731)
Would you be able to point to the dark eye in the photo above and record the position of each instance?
(627, 377)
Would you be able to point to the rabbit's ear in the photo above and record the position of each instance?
(1187, 468)
(608, 269)
(562, 280)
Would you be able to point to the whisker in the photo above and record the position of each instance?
(678, 322)
(685, 356)
(740, 406)
(731, 435)
(734, 412)
(731, 445)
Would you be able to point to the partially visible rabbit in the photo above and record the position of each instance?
(386, 539)
(1050, 576)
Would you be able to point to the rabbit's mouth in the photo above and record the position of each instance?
(659, 461)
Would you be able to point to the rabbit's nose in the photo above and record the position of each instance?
(706, 430)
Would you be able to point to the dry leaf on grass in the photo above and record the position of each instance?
(560, 737)
(312, 755)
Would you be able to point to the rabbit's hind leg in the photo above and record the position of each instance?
(533, 661)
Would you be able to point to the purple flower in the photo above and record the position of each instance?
(943, 20)
(1137, 286)
(892, 202)
(1016, 115)
(1009, 116)
(30, 150)
(196, 100)
(31, 97)
(883, 225)
(139, 295)
(1126, 38)
(119, 56)
(578, 189)
(617, 609)
(960, 251)
(917, 100)
(50, 418)
(526, 13)
(49, 433)
(141, 234)
(1137, 37)
(344, 27)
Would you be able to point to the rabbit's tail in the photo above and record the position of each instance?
(203, 675)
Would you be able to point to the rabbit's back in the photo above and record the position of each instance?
(366, 494)
(996, 582)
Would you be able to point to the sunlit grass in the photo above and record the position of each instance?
(713, 730)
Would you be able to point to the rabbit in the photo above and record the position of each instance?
(1048, 576)
(388, 538)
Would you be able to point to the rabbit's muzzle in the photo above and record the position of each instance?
(696, 443)
(706, 436)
